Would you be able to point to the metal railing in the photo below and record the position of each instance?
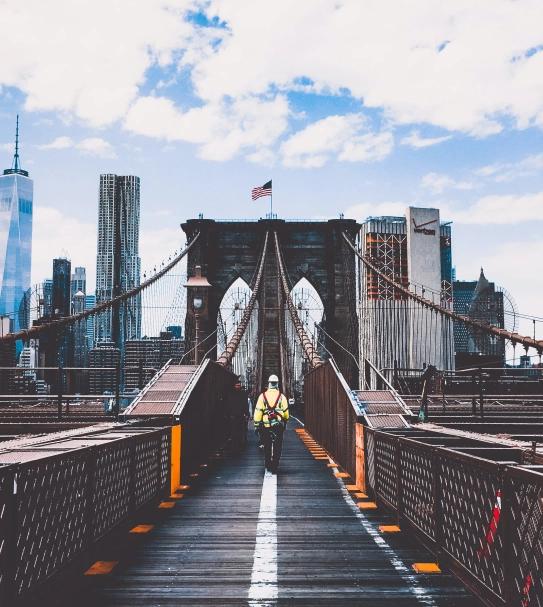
(62, 496)
(331, 414)
(482, 518)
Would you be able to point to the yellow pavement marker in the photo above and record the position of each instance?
(389, 529)
(141, 529)
(101, 568)
(426, 568)
(367, 505)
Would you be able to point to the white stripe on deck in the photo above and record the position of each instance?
(264, 591)
(404, 572)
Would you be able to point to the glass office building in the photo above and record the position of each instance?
(16, 194)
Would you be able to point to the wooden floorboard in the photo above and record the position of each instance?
(201, 552)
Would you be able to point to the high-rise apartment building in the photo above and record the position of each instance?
(118, 262)
(16, 194)
(414, 251)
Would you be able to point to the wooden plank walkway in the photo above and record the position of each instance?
(201, 552)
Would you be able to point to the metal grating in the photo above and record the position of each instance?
(417, 485)
(386, 471)
(386, 421)
(525, 489)
(469, 495)
(164, 391)
(65, 500)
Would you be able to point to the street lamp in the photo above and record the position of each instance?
(198, 296)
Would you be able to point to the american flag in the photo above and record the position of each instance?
(263, 190)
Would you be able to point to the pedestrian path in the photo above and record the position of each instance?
(240, 537)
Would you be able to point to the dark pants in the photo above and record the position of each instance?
(272, 439)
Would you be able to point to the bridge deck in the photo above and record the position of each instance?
(202, 552)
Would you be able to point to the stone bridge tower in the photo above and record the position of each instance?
(315, 250)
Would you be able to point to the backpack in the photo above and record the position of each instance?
(274, 417)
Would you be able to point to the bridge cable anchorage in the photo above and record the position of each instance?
(307, 343)
(70, 320)
(514, 338)
(226, 357)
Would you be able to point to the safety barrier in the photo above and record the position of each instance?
(333, 418)
(62, 496)
(484, 519)
(204, 413)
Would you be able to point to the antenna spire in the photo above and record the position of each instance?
(16, 155)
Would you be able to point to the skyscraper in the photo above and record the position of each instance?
(90, 302)
(412, 250)
(118, 262)
(79, 281)
(16, 193)
(61, 287)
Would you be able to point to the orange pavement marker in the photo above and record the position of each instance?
(101, 568)
(166, 505)
(177, 496)
(360, 495)
(389, 529)
(367, 505)
(426, 568)
(341, 475)
(183, 488)
(331, 465)
(141, 529)
(352, 487)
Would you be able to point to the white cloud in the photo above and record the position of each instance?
(96, 146)
(461, 66)
(438, 183)
(506, 209)
(221, 129)
(508, 171)
(417, 141)
(59, 143)
(87, 58)
(506, 265)
(91, 146)
(56, 234)
(345, 137)
(6, 147)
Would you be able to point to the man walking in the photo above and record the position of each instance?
(270, 419)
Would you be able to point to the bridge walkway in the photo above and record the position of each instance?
(315, 547)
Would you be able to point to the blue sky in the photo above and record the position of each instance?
(362, 108)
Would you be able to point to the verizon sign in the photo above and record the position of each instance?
(423, 228)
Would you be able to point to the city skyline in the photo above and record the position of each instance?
(201, 130)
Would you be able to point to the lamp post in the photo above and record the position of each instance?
(198, 292)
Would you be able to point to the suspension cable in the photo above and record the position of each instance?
(514, 338)
(70, 320)
(307, 344)
(226, 357)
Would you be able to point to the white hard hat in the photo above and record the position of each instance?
(273, 379)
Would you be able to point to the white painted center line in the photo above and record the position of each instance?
(263, 591)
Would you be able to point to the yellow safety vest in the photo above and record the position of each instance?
(263, 412)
